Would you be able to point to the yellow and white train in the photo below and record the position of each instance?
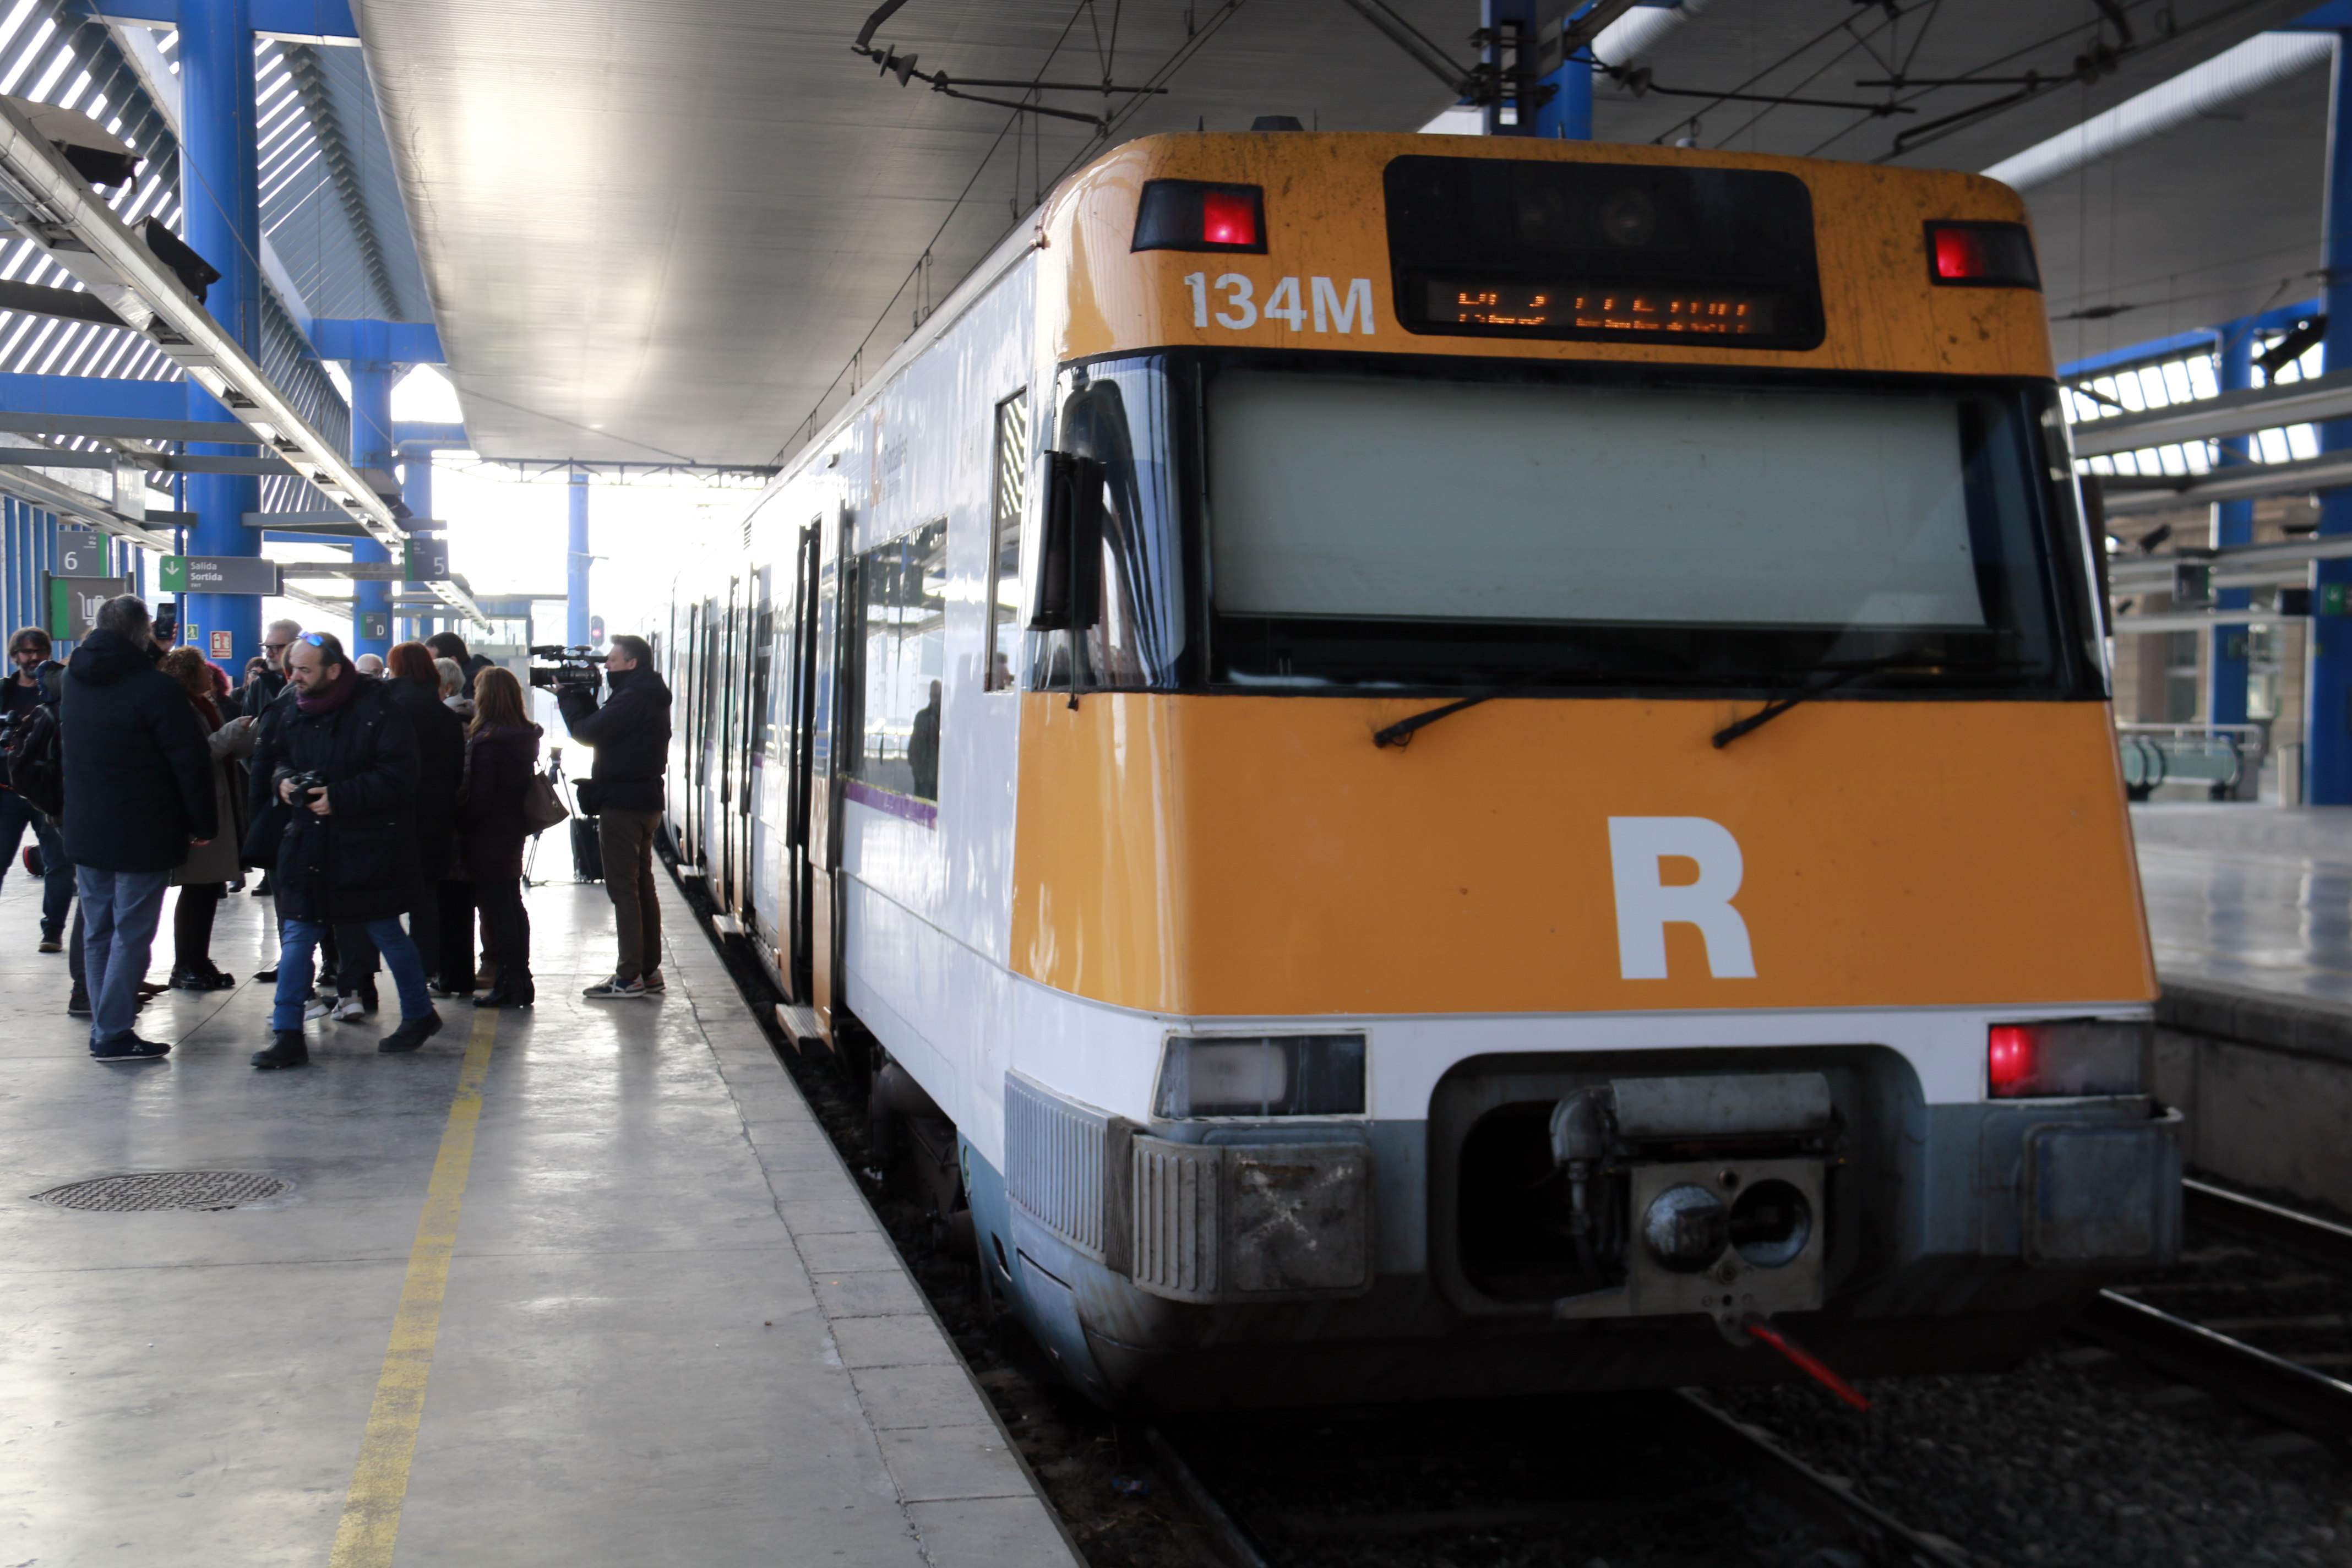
(1463, 765)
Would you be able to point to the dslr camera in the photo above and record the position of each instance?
(309, 786)
(567, 668)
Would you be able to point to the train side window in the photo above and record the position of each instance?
(1009, 501)
(902, 607)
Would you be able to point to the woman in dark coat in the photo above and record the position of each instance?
(204, 876)
(501, 757)
(414, 687)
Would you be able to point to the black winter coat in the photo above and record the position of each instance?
(262, 690)
(440, 768)
(630, 735)
(139, 765)
(359, 862)
(491, 832)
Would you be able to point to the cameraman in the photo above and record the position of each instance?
(339, 769)
(630, 735)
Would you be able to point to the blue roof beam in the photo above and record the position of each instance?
(421, 435)
(290, 21)
(90, 396)
(377, 342)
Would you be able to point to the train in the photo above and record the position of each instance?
(1427, 766)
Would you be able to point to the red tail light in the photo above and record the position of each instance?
(1228, 219)
(1981, 256)
(1192, 214)
(2067, 1057)
(2012, 1059)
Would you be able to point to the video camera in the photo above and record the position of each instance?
(570, 668)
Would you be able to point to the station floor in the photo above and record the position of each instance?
(2250, 898)
(581, 1285)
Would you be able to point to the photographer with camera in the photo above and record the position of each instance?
(340, 772)
(28, 701)
(138, 788)
(630, 735)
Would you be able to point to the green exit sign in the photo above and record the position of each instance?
(2331, 598)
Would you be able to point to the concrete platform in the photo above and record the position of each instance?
(637, 1310)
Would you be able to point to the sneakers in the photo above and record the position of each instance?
(266, 976)
(50, 943)
(287, 1050)
(348, 1009)
(128, 1048)
(77, 1004)
(411, 1032)
(615, 989)
(316, 1007)
(654, 984)
(206, 979)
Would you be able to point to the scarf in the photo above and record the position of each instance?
(339, 695)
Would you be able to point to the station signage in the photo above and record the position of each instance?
(74, 603)
(224, 645)
(375, 626)
(425, 560)
(81, 552)
(216, 574)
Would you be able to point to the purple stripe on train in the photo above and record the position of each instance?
(922, 811)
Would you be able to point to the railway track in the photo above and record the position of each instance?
(2259, 1311)
(1649, 1479)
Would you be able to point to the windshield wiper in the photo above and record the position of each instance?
(1779, 705)
(1401, 733)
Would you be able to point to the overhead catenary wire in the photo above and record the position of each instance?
(1198, 38)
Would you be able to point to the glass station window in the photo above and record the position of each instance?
(1009, 495)
(902, 599)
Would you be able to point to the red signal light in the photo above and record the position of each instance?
(1228, 219)
(1981, 256)
(2012, 1059)
(1960, 254)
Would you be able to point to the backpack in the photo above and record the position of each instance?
(37, 759)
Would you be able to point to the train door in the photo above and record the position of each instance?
(760, 655)
(706, 681)
(800, 759)
(729, 712)
(689, 808)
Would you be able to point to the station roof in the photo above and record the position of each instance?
(681, 230)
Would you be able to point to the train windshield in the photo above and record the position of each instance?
(1484, 525)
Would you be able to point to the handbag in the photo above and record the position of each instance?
(542, 807)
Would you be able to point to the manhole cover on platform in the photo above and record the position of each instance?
(209, 1190)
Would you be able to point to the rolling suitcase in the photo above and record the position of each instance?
(587, 851)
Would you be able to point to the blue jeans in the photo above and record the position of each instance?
(298, 940)
(118, 911)
(16, 814)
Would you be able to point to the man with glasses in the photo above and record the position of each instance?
(32, 683)
(270, 680)
(341, 764)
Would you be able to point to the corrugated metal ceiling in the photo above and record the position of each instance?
(663, 230)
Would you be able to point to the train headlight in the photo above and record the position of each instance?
(1261, 1075)
(2062, 1060)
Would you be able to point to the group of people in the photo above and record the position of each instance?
(385, 801)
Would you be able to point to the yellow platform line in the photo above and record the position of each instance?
(371, 1523)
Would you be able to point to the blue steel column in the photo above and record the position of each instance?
(2328, 693)
(576, 562)
(2233, 523)
(416, 494)
(370, 448)
(220, 194)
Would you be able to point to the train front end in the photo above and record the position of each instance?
(1567, 801)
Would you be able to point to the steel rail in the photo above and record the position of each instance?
(53, 206)
(2309, 1237)
(1831, 1503)
(2292, 1394)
